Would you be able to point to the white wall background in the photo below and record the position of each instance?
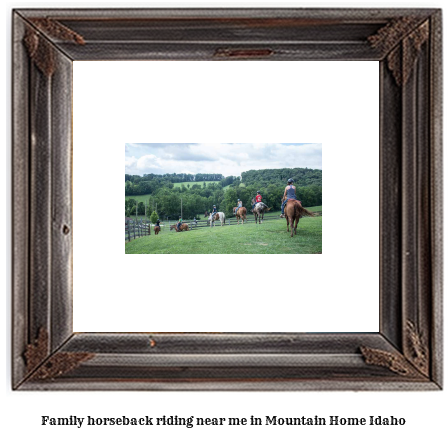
(136, 102)
(425, 412)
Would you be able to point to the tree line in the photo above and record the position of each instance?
(170, 202)
(302, 176)
(150, 183)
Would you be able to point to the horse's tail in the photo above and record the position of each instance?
(304, 212)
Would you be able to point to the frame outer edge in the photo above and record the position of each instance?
(436, 139)
(206, 12)
(39, 203)
(20, 197)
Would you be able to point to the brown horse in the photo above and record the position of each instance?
(259, 210)
(183, 227)
(156, 230)
(293, 212)
(240, 214)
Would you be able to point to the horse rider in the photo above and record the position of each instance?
(158, 223)
(238, 206)
(258, 199)
(179, 223)
(214, 211)
(290, 193)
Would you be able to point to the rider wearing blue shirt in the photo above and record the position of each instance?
(290, 193)
(239, 205)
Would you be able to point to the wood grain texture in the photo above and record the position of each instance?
(436, 195)
(406, 354)
(20, 208)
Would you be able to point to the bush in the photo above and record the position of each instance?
(154, 216)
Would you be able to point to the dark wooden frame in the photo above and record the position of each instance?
(406, 354)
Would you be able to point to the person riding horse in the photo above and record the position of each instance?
(258, 199)
(214, 211)
(179, 223)
(157, 226)
(238, 206)
(290, 193)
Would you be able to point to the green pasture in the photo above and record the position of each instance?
(270, 237)
(139, 198)
(191, 183)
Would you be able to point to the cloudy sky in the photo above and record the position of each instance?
(225, 158)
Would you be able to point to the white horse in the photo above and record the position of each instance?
(218, 216)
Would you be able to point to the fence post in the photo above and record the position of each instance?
(134, 229)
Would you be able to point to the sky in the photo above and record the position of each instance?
(224, 158)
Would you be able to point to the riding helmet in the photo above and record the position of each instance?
(258, 191)
(290, 180)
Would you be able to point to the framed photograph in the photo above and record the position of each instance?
(186, 345)
(222, 184)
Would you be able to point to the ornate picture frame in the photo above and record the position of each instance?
(406, 353)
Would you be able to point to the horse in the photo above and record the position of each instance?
(218, 216)
(240, 214)
(293, 212)
(259, 210)
(183, 227)
(206, 214)
(156, 230)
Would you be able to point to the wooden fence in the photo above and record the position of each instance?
(232, 221)
(135, 229)
(229, 221)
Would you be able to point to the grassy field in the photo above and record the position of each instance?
(199, 182)
(269, 237)
(138, 198)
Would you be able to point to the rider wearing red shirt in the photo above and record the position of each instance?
(257, 199)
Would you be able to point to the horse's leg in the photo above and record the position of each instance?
(287, 223)
(291, 219)
(297, 223)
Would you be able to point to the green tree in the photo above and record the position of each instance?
(154, 216)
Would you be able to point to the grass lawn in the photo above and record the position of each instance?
(199, 182)
(269, 237)
(139, 198)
